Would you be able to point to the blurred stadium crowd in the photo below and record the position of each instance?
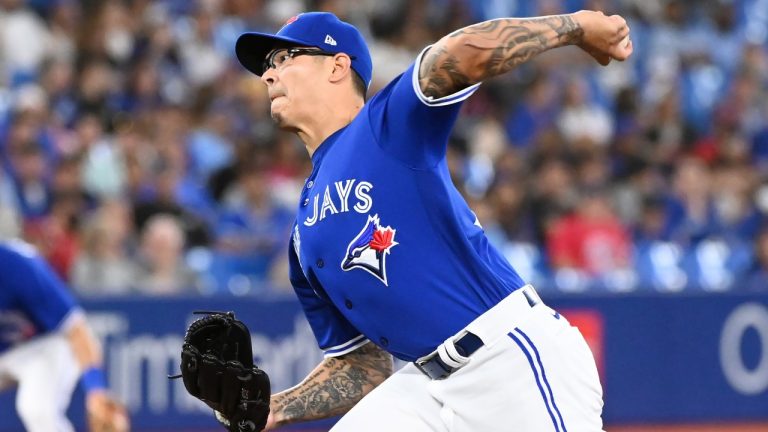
(140, 157)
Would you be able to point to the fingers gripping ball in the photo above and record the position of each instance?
(625, 42)
(217, 368)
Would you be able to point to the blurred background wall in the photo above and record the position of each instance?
(139, 157)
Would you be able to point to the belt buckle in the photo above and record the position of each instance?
(434, 368)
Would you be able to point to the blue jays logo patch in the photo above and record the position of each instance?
(369, 249)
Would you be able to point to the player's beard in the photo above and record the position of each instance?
(283, 121)
(278, 115)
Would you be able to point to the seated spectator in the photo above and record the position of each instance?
(252, 229)
(582, 119)
(552, 194)
(103, 267)
(24, 40)
(164, 200)
(56, 235)
(103, 165)
(690, 211)
(533, 115)
(30, 180)
(650, 226)
(737, 215)
(162, 270)
(591, 241)
(506, 202)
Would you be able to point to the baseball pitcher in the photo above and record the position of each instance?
(387, 258)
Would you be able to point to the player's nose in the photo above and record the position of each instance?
(269, 77)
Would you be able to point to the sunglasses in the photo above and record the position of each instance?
(278, 57)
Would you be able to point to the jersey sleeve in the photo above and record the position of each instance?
(411, 126)
(335, 335)
(40, 293)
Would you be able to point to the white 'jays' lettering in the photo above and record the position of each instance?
(343, 192)
(327, 204)
(366, 202)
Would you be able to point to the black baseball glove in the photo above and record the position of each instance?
(217, 368)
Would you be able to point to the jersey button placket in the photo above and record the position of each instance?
(384, 341)
(348, 303)
(320, 263)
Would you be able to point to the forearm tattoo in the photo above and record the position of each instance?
(472, 54)
(335, 386)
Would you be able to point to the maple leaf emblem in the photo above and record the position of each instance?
(382, 239)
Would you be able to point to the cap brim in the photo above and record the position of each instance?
(252, 48)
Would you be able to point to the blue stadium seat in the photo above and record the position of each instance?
(715, 265)
(659, 267)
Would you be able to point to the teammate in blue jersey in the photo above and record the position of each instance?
(46, 345)
(387, 258)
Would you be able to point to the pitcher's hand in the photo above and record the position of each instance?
(605, 38)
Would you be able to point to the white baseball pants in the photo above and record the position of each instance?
(46, 372)
(535, 373)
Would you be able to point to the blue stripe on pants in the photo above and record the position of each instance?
(540, 379)
(544, 376)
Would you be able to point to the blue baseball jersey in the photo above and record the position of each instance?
(384, 247)
(33, 300)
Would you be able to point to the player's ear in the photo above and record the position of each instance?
(342, 67)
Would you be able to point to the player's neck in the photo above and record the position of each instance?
(323, 126)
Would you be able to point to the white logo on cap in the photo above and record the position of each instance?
(329, 40)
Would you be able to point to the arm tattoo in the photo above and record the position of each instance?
(335, 386)
(438, 72)
(472, 54)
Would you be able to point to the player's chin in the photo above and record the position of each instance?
(280, 120)
(277, 115)
(283, 123)
(277, 111)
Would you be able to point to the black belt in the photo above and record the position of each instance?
(435, 368)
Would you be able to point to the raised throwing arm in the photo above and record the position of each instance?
(484, 50)
(332, 388)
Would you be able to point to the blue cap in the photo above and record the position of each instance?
(322, 30)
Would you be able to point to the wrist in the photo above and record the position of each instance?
(275, 420)
(93, 380)
(582, 19)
